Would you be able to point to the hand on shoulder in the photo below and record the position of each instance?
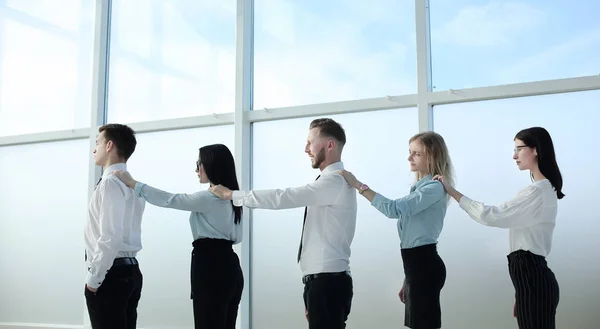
(125, 177)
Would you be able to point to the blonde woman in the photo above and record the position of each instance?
(420, 217)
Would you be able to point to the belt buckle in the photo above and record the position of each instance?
(307, 278)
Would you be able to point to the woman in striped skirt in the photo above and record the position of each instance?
(530, 217)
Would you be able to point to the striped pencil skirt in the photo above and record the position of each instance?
(536, 290)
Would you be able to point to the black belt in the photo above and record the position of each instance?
(307, 278)
(125, 261)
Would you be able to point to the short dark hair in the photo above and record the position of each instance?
(219, 166)
(539, 138)
(329, 128)
(122, 136)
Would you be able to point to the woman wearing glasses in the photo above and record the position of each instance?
(530, 217)
(216, 276)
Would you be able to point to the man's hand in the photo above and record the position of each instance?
(402, 293)
(125, 177)
(221, 191)
(90, 288)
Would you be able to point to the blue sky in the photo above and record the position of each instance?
(177, 58)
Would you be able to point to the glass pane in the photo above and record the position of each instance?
(46, 56)
(324, 51)
(171, 59)
(478, 43)
(375, 261)
(42, 214)
(167, 160)
(475, 255)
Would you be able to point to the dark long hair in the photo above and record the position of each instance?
(218, 164)
(539, 138)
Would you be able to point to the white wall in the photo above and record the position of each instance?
(43, 207)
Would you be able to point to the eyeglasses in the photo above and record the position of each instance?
(198, 163)
(518, 148)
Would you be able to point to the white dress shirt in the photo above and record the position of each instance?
(330, 218)
(114, 225)
(530, 217)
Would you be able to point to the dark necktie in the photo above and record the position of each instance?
(302, 235)
(98, 183)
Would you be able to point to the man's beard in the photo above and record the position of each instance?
(319, 158)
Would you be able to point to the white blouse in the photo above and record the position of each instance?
(530, 217)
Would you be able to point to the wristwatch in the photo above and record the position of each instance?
(363, 188)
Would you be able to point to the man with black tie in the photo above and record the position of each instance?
(328, 229)
(113, 236)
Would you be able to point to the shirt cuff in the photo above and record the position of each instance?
(92, 282)
(238, 198)
(465, 203)
(138, 188)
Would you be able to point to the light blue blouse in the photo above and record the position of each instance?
(420, 214)
(210, 216)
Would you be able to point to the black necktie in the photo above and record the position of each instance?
(302, 235)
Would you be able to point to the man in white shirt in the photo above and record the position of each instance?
(328, 229)
(113, 236)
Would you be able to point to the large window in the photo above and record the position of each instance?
(171, 59)
(322, 51)
(45, 65)
(376, 152)
(482, 152)
(477, 43)
(167, 160)
(43, 199)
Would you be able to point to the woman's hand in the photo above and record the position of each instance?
(221, 191)
(349, 177)
(125, 177)
(449, 188)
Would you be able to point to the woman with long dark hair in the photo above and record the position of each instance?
(216, 276)
(530, 217)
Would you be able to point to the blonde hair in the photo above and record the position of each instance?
(436, 154)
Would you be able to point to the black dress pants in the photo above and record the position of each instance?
(328, 299)
(114, 304)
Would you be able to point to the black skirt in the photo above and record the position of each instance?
(536, 290)
(425, 274)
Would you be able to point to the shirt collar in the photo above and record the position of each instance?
(114, 167)
(336, 166)
(423, 180)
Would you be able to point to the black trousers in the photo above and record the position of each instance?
(425, 275)
(536, 290)
(217, 284)
(114, 304)
(328, 299)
